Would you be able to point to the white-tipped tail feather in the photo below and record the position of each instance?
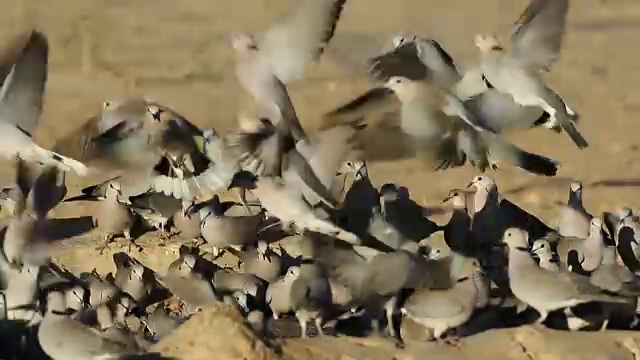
(46, 157)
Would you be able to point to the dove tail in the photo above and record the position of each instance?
(537, 164)
(577, 138)
(46, 157)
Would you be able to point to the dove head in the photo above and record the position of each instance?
(401, 39)
(137, 270)
(358, 168)
(404, 88)
(188, 262)
(243, 42)
(487, 43)
(56, 301)
(541, 248)
(292, 273)
(457, 198)
(483, 182)
(576, 186)
(74, 298)
(624, 213)
(389, 192)
(515, 238)
(596, 224)
(113, 190)
(241, 299)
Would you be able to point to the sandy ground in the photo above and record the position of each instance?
(175, 52)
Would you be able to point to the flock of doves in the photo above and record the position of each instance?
(347, 258)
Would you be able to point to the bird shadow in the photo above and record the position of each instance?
(60, 229)
(616, 183)
(148, 356)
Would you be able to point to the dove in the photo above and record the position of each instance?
(574, 219)
(409, 218)
(100, 290)
(262, 261)
(160, 322)
(457, 232)
(628, 249)
(612, 221)
(226, 281)
(133, 278)
(587, 251)
(420, 58)
(545, 290)
(535, 45)
(612, 277)
(113, 216)
(26, 237)
(189, 286)
(440, 130)
(266, 63)
(222, 231)
(62, 337)
(21, 100)
(439, 310)
(156, 209)
(149, 146)
(542, 249)
(186, 222)
(20, 291)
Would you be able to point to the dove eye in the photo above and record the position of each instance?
(106, 104)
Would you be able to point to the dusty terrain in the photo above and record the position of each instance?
(175, 52)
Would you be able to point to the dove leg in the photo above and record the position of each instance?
(127, 235)
(105, 243)
(390, 310)
(542, 318)
(318, 323)
(242, 195)
(303, 325)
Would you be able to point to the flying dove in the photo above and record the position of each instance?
(421, 58)
(542, 250)
(369, 281)
(281, 54)
(62, 337)
(439, 129)
(152, 147)
(535, 45)
(222, 231)
(545, 290)
(574, 219)
(587, 251)
(113, 216)
(21, 99)
(440, 310)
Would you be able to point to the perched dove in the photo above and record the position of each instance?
(545, 290)
(587, 251)
(574, 219)
(535, 45)
(187, 223)
(628, 245)
(222, 231)
(62, 337)
(189, 286)
(262, 261)
(156, 209)
(457, 232)
(401, 212)
(542, 249)
(113, 216)
(441, 310)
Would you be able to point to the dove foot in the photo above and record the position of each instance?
(105, 243)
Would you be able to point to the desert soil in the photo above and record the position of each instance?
(176, 53)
